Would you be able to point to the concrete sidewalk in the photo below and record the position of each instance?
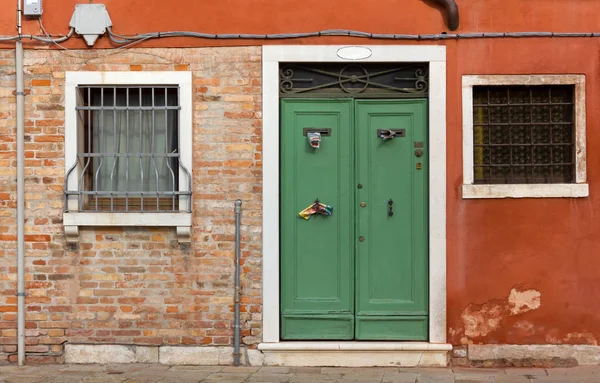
(140, 373)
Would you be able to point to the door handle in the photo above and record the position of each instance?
(390, 207)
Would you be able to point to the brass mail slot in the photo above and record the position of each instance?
(391, 133)
(325, 132)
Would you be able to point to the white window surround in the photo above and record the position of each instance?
(573, 190)
(73, 220)
(436, 57)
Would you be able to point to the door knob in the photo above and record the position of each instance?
(363, 204)
(361, 239)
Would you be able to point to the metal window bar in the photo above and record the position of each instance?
(524, 134)
(99, 187)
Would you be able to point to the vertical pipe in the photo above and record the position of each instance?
(20, 195)
(236, 324)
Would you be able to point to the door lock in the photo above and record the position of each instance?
(390, 207)
(418, 153)
(361, 239)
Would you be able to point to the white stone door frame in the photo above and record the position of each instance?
(435, 55)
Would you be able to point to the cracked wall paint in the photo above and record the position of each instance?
(481, 319)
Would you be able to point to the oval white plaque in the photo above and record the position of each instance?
(354, 53)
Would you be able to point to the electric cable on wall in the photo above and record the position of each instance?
(124, 40)
(120, 39)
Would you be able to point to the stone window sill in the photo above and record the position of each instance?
(526, 191)
(182, 221)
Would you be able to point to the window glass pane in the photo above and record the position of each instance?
(146, 96)
(129, 148)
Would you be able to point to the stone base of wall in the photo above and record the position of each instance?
(170, 355)
(472, 356)
(507, 355)
(195, 355)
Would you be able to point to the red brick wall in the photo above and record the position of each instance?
(134, 285)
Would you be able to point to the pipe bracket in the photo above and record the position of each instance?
(21, 93)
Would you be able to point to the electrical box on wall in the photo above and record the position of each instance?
(90, 21)
(32, 8)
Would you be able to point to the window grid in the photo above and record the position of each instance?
(523, 134)
(154, 185)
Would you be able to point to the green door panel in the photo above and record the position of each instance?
(316, 327)
(360, 273)
(391, 262)
(391, 327)
(317, 256)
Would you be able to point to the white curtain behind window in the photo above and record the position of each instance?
(134, 132)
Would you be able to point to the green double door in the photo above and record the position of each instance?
(362, 272)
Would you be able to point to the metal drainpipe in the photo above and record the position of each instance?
(451, 13)
(236, 323)
(20, 193)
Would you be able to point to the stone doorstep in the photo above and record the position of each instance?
(355, 354)
(356, 358)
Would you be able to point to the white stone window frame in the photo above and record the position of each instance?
(182, 220)
(578, 189)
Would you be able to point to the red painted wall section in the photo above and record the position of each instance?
(267, 16)
(520, 271)
(523, 271)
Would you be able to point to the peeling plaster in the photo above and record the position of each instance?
(481, 319)
(586, 338)
(525, 327)
(523, 301)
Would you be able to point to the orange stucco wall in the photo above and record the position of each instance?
(546, 247)
(267, 16)
(550, 246)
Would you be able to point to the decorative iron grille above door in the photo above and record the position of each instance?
(367, 80)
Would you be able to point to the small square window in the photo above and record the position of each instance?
(524, 136)
(128, 151)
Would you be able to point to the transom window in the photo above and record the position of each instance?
(523, 134)
(128, 148)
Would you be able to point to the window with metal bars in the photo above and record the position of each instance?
(523, 134)
(129, 148)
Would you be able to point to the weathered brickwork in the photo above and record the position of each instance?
(135, 285)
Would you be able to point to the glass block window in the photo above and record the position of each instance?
(523, 134)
